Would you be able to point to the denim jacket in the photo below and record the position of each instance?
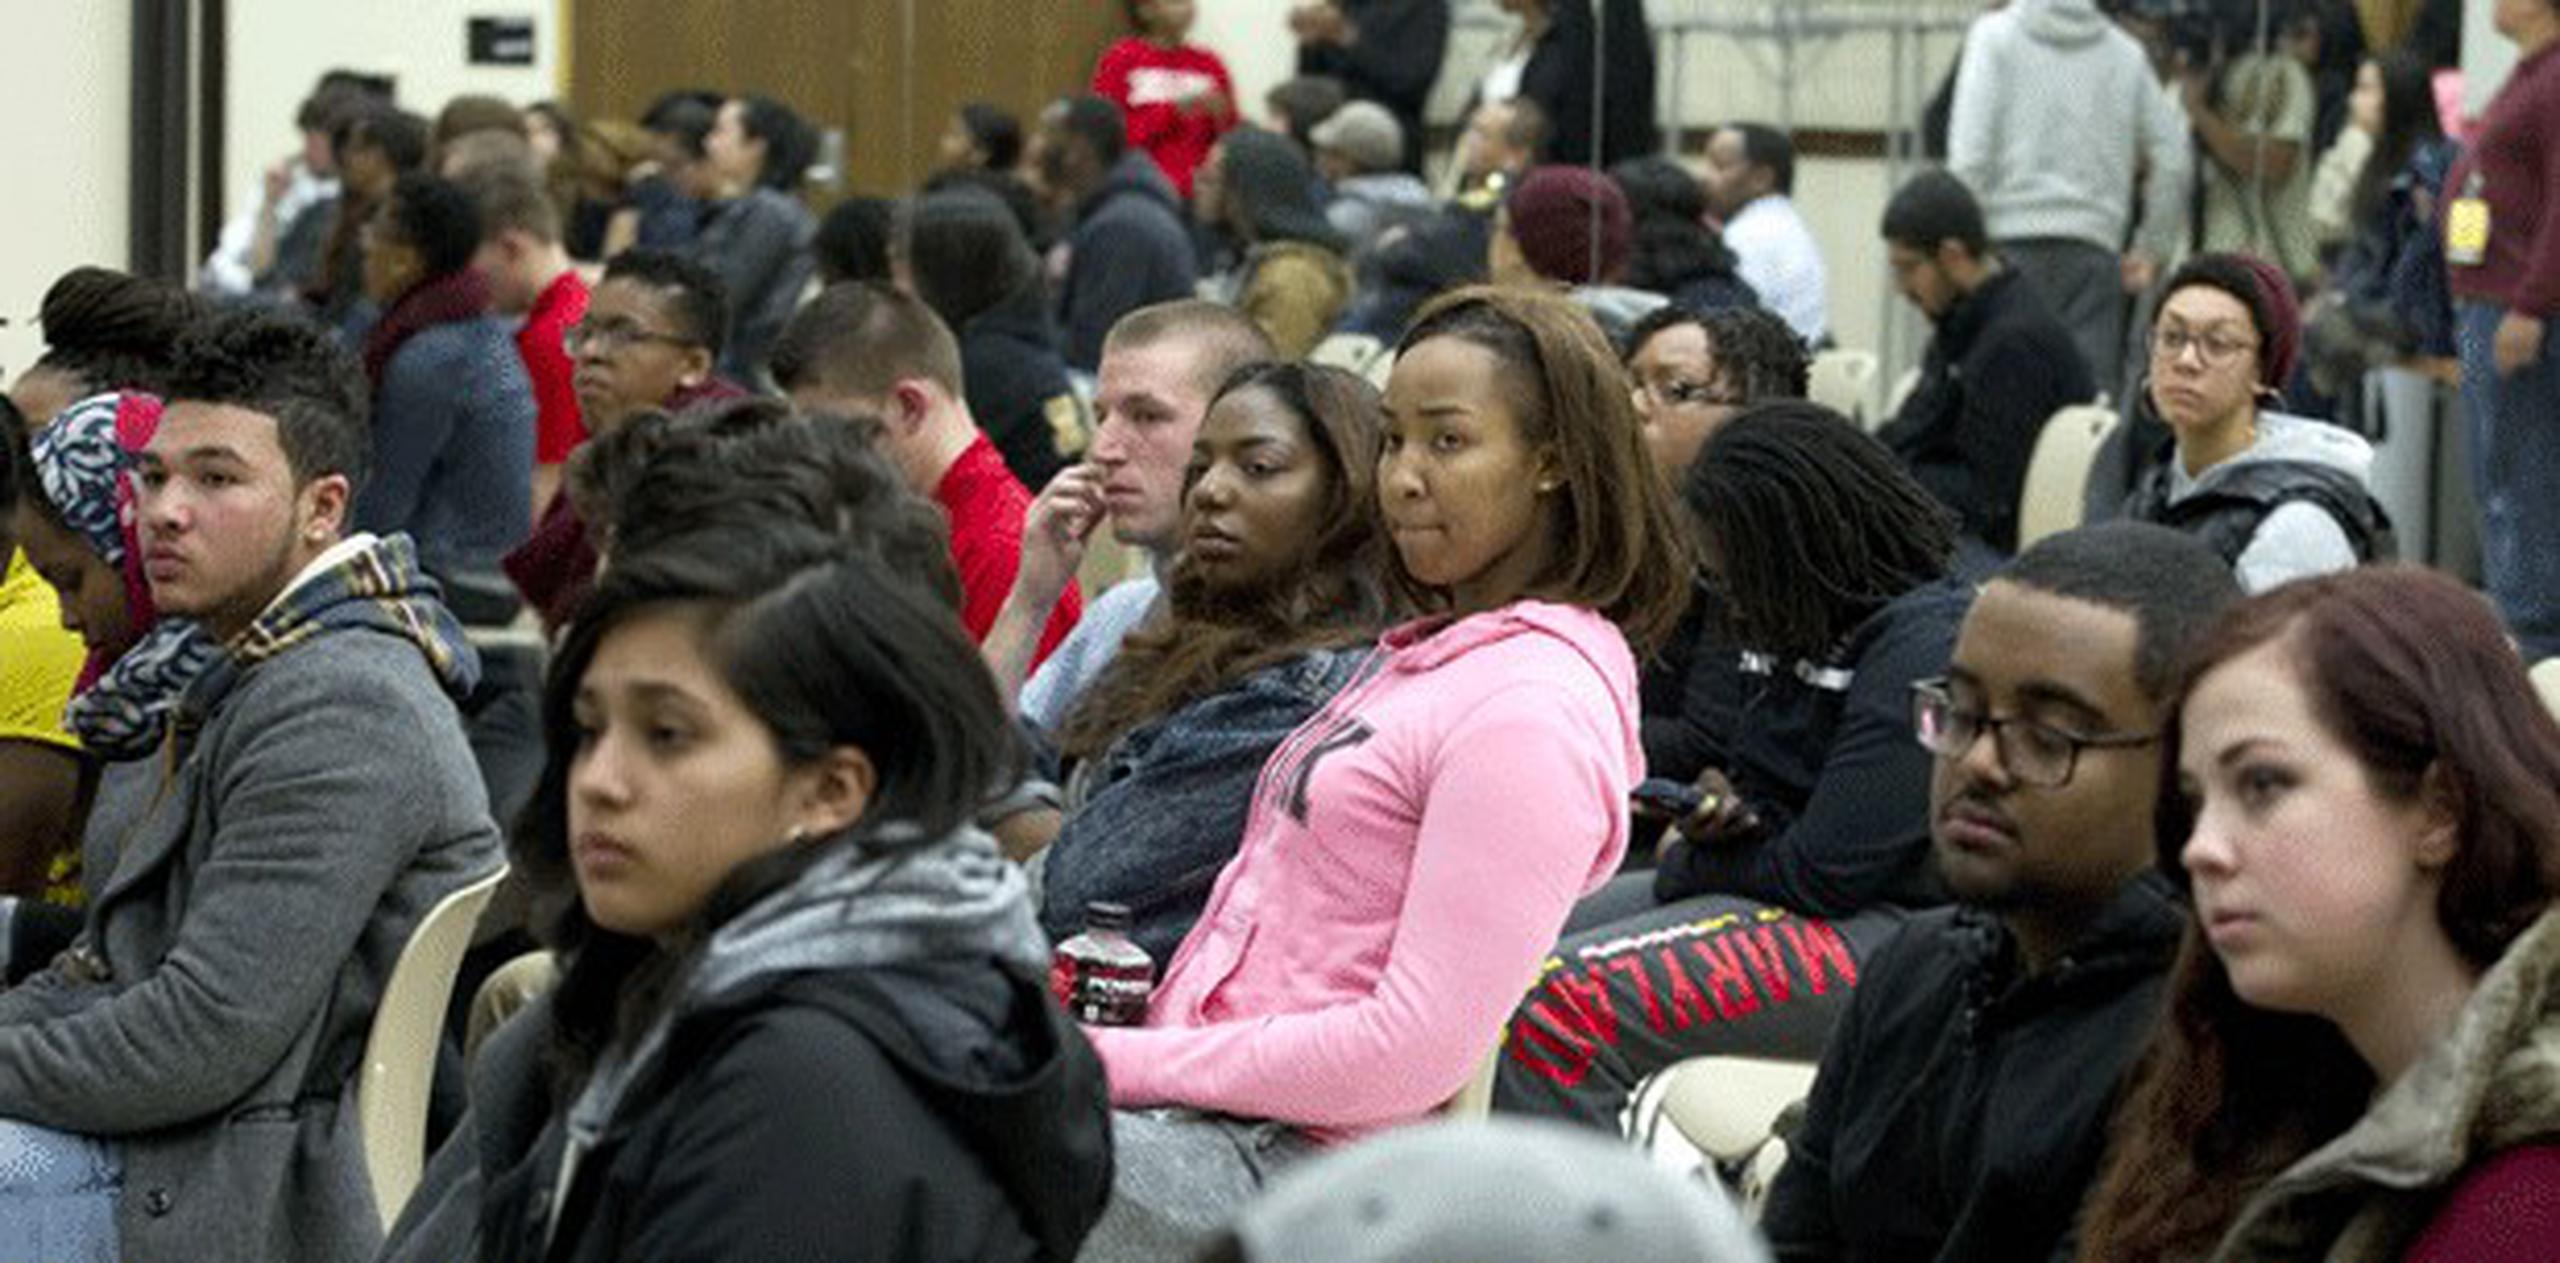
(1152, 820)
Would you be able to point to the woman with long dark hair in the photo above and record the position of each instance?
(2363, 1036)
(780, 938)
(2381, 190)
(1282, 584)
(1677, 254)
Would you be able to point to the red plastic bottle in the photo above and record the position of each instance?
(1102, 976)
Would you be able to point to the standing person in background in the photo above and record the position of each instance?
(2253, 117)
(2056, 117)
(1387, 51)
(1177, 97)
(1751, 180)
(1128, 247)
(1551, 63)
(2502, 238)
(530, 277)
(758, 238)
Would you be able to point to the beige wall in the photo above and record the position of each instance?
(65, 99)
(279, 47)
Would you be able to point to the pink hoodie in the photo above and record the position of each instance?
(1410, 857)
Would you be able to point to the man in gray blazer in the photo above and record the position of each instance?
(200, 1044)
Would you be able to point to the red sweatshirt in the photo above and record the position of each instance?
(1149, 83)
(2517, 157)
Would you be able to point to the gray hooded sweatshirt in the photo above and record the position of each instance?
(2300, 538)
(2055, 111)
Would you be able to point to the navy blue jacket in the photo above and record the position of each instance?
(1824, 754)
(1129, 250)
(453, 447)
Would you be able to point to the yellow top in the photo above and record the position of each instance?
(39, 662)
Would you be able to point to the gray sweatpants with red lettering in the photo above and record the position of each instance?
(1637, 987)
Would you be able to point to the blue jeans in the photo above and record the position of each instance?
(57, 1195)
(2515, 471)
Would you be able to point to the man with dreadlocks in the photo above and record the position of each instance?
(1811, 843)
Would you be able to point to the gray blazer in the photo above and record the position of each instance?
(254, 915)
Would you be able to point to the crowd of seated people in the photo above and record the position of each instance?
(1567, 699)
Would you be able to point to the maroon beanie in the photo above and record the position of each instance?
(1554, 211)
(2263, 288)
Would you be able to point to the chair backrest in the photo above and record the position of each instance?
(2546, 680)
(1723, 1111)
(1841, 380)
(400, 1051)
(2051, 499)
(1475, 1100)
(1899, 395)
(1380, 368)
(1352, 351)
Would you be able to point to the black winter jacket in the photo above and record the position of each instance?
(1824, 754)
(1129, 249)
(931, 1111)
(1998, 369)
(1394, 62)
(1962, 1106)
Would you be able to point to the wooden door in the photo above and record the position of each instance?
(887, 74)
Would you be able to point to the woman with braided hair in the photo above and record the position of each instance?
(1808, 845)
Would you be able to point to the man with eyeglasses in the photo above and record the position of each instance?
(1962, 1105)
(1999, 366)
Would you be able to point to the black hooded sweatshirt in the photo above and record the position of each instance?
(955, 1111)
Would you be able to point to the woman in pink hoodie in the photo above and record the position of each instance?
(1413, 849)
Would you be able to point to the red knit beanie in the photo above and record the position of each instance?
(1554, 213)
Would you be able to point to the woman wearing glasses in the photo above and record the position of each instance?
(1812, 837)
(649, 342)
(2279, 496)
(1693, 371)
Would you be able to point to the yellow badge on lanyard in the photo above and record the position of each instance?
(2466, 227)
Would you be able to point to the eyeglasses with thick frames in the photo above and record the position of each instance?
(613, 336)
(1680, 394)
(2034, 752)
(2169, 344)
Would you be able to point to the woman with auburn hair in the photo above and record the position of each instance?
(1411, 850)
(2361, 1055)
(1282, 586)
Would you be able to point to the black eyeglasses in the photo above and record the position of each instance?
(1680, 394)
(2034, 752)
(613, 336)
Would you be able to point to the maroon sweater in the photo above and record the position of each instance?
(2517, 155)
(2504, 1210)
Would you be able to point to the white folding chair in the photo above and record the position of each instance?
(1720, 1113)
(400, 1050)
(2546, 681)
(1840, 381)
(2050, 500)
